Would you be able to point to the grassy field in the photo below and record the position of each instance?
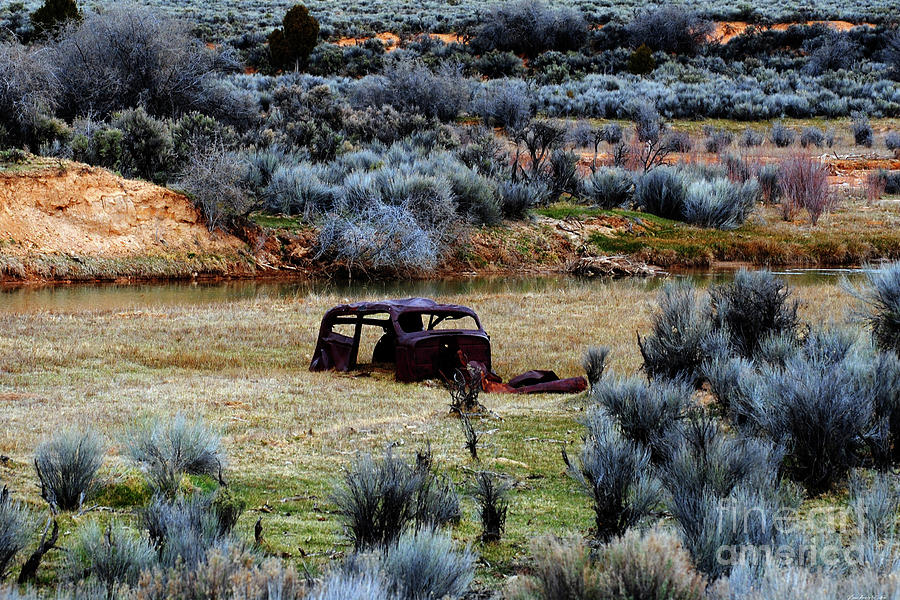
(288, 432)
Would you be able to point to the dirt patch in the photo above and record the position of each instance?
(70, 208)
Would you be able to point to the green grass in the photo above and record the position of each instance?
(277, 221)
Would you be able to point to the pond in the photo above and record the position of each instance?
(114, 296)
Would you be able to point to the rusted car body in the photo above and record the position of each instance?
(416, 338)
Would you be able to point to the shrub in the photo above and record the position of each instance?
(669, 29)
(830, 52)
(28, 90)
(675, 347)
(804, 184)
(294, 41)
(611, 133)
(476, 196)
(751, 138)
(594, 362)
(426, 564)
(614, 473)
(719, 203)
(862, 130)
(298, 189)
(609, 187)
(769, 178)
(111, 555)
(379, 500)
(529, 27)
(498, 63)
(340, 585)
(410, 86)
(213, 179)
(67, 466)
(131, 56)
(641, 61)
(645, 412)
(718, 141)
(166, 451)
(183, 530)
(53, 14)
(648, 565)
(504, 103)
(754, 306)
(491, 496)
(679, 141)
(517, 198)
(781, 136)
(648, 125)
(146, 148)
(661, 192)
(14, 522)
(892, 141)
(812, 136)
(874, 506)
(881, 297)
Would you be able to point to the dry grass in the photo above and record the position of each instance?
(288, 432)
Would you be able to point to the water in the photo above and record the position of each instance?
(112, 296)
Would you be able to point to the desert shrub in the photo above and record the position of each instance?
(379, 500)
(645, 412)
(14, 527)
(881, 310)
(426, 564)
(648, 125)
(830, 52)
(614, 472)
(298, 189)
(719, 203)
(820, 412)
(476, 196)
(862, 130)
(812, 136)
(517, 198)
(649, 565)
(769, 178)
(781, 136)
(718, 141)
(491, 497)
(679, 141)
(67, 466)
(641, 61)
(53, 14)
(611, 133)
(751, 138)
(292, 43)
(505, 103)
(754, 306)
(874, 505)
(146, 148)
(680, 327)
(340, 585)
(214, 179)
(28, 90)
(110, 555)
(184, 529)
(410, 86)
(804, 184)
(563, 175)
(738, 168)
(529, 27)
(166, 450)
(661, 192)
(594, 362)
(892, 141)
(669, 29)
(196, 130)
(131, 56)
(496, 63)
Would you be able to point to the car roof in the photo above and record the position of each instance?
(399, 306)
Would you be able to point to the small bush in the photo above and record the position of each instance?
(340, 585)
(609, 187)
(881, 297)
(874, 506)
(67, 466)
(53, 14)
(183, 530)
(862, 130)
(754, 306)
(661, 192)
(679, 141)
(379, 500)
(769, 178)
(812, 136)
(28, 92)
(505, 103)
(892, 141)
(146, 147)
(645, 412)
(751, 138)
(804, 184)
(14, 525)
(529, 27)
(496, 64)
(611, 133)
(718, 141)
(426, 564)
(669, 29)
(614, 473)
(517, 198)
(641, 61)
(167, 450)
(491, 496)
(294, 41)
(675, 347)
(214, 180)
(719, 203)
(781, 136)
(111, 556)
(594, 362)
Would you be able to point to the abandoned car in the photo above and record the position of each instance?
(421, 339)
